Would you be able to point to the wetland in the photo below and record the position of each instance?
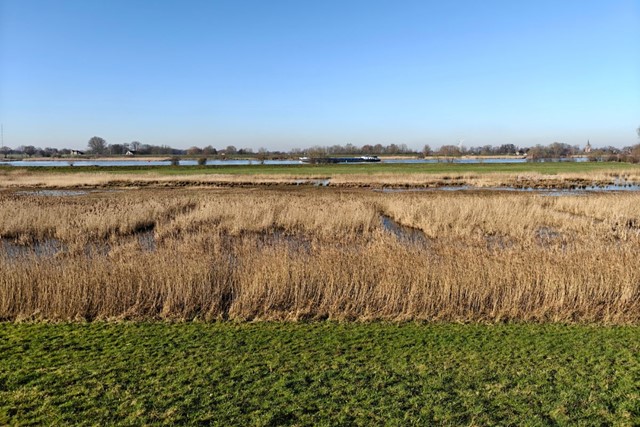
(298, 253)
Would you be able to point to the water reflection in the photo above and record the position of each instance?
(402, 232)
(214, 162)
(39, 249)
(10, 249)
(140, 162)
(577, 190)
(52, 193)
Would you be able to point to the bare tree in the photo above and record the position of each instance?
(193, 151)
(116, 149)
(97, 145)
(209, 150)
(449, 151)
(263, 153)
(29, 150)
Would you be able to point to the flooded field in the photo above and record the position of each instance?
(584, 177)
(573, 190)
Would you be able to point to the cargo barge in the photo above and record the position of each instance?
(323, 160)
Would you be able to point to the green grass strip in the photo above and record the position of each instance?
(269, 374)
(341, 169)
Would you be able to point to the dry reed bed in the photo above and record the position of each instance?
(26, 179)
(488, 180)
(323, 253)
(52, 180)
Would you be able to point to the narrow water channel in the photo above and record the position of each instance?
(403, 233)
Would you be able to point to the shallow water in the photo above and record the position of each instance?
(147, 241)
(485, 160)
(39, 249)
(315, 182)
(542, 191)
(81, 163)
(49, 248)
(53, 193)
(402, 232)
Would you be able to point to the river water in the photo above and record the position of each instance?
(212, 162)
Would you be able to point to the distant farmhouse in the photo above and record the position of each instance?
(77, 153)
(130, 152)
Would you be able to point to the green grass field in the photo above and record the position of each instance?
(323, 373)
(339, 169)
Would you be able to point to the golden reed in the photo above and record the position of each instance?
(293, 254)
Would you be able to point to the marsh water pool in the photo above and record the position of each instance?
(577, 190)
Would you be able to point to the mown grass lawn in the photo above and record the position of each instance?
(342, 169)
(318, 374)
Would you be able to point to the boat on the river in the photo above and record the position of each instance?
(320, 160)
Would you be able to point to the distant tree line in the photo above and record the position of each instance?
(98, 146)
(557, 150)
(612, 154)
(95, 148)
(31, 151)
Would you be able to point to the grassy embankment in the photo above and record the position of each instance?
(485, 174)
(248, 254)
(270, 374)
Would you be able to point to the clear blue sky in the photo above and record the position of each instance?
(284, 74)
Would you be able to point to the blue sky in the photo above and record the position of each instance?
(285, 74)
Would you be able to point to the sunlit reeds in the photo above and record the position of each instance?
(21, 178)
(258, 254)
